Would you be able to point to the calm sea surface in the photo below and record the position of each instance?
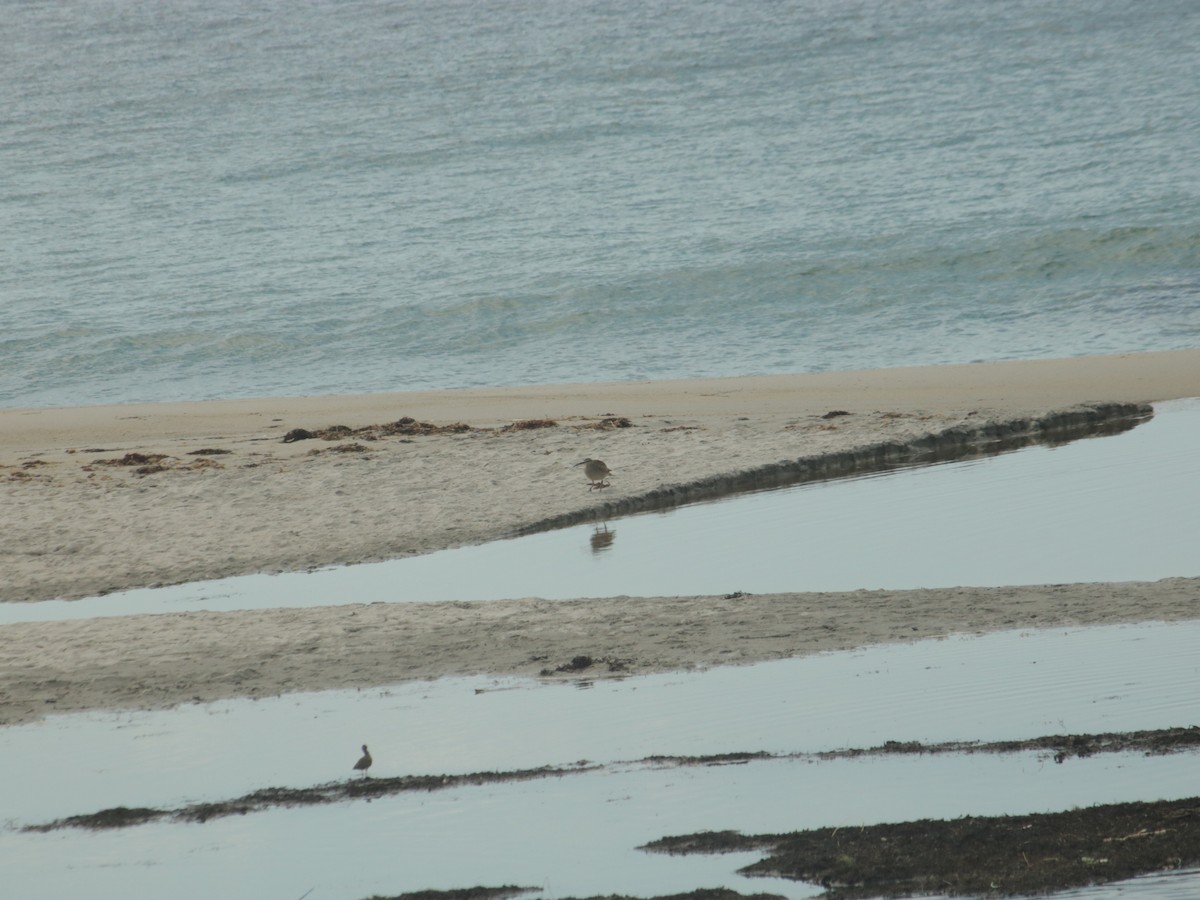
(232, 198)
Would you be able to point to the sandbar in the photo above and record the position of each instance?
(99, 499)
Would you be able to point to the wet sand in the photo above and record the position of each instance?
(108, 498)
(158, 661)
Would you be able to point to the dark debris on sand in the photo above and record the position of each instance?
(583, 662)
(407, 426)
(146, 463)
(607, 423)
(150, 463)
(132, 459)
(529, 425)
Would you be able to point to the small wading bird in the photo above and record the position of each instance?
(596, 471)
(365, 762)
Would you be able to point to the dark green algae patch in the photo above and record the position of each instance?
(500, 893)
(353, 789)
(474, 893)
(990, 856)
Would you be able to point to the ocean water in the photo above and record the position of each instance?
(231, 198)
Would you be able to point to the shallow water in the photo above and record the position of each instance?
(1117, 508)
(575, 836)
(578, 834)
(1003, 686)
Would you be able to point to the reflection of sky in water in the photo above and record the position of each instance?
(578, 834)
(575, 836)
(1001, 686)
(1120, 508)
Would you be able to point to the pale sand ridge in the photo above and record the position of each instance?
(150, 662)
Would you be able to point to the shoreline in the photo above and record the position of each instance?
(1018, 386)
(111, 498)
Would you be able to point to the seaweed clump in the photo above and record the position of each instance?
(974, 855)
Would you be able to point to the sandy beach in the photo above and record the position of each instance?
(106, 498)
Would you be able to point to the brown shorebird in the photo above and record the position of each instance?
(596, 471)
(365, 762)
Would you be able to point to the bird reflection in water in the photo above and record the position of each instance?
(602, 538)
